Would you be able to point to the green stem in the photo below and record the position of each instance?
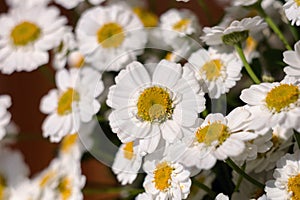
(205, 9)
(274, 27)
(297, 137)
(205, 188)
(241, 172)
(239, 50)
(240, 179)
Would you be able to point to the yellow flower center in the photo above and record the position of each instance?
(68, 142)
(111, 35)
(294, 186)
(24, 33)
(64, 188)
(212, 132)
(65, 101)
(154, 104)
(128, 150)
(212, 69)
(181, 25)
(148, 18)
(46, 178)
(162, 176)
(2, 186)
(297, 2)
(282, 96)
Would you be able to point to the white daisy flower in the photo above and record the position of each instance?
(26, 36)
(237, 30)
(26, 3)
(127, 163)
(13, 171)
(166, 180)
(217, 72)
(217, 138)
(73, 102)
(292, 9)
(274, 104)
(144, 196)
(114, 40)
(287, 177)
(292, 58)
(5, 103)
(244, 2)
(221, 196)
(148, 105)
(178, 24)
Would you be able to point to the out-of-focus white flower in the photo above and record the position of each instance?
(110, 42)
(216, 72)
(292, 9)
(292, 58)
(27, 3)
(72, 4)
(244, 2)
(247, 27)
(274, 104)
(27, 36)
(74, 101)
(287, 178)
(5, 103)
(221, 196)
(183, 0)
(148, 105)
(127, 163)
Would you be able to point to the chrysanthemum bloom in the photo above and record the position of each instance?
(5, 103)
(154, 104)
(292, 9)
(292, 58)
(217, 72)
(237, 31)
(287, 179)
(274, 104)
(74, 101)
(114, 40)
(26, 36)
(166, 180)
(127, 163)
(217, 138)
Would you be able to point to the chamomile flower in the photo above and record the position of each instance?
(112, 41)
(292, 58)
(26, 36)
(154, 104)
(127, 163)
(5, 103)
(217, 72)
(237, 31)
(71, 103)
(274, 104)
(291, 9)
(166, 180)
(287, 177)
(217, 138)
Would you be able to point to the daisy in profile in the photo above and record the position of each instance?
(216, 72)
(127, 163)
(287, 177)
(236, 31)
(5, 103)
(154, 104)
(112, 41)
(74, 101)
(292, 58)
(274, 104)
(27, 36)
(291, 9)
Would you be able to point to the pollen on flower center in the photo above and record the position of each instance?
(110, 35)
(154, 104)
(162, 176)
(181, 25)
(294, 186)
(212, 69)
(282, 96)
(2, 186)
(64, 188)
(24, 33)
(148, 18)
(128, 150)
(212, 132)
(65, 101)
(68, 141)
